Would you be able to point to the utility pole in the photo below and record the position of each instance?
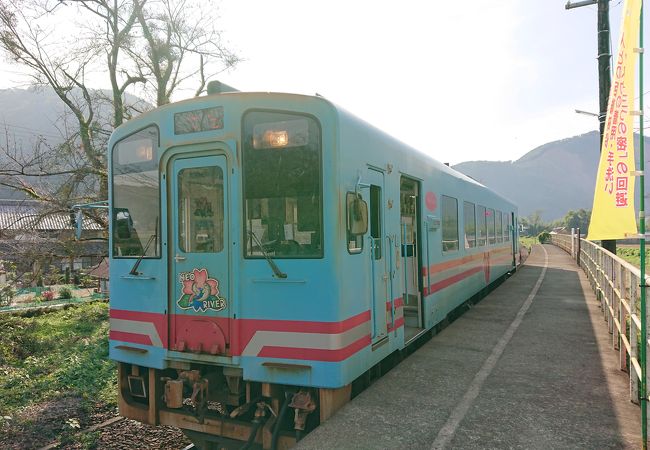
(604, 74)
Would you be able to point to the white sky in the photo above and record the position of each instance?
(470, 80)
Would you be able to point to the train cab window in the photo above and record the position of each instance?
(136, 196)
(469, 219)
(499, 226)
(491, 225)
(481, 225)
(282, 177)
(449, 224)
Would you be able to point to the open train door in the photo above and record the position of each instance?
(199, 260)
(410, 232)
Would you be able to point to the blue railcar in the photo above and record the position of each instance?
(267, 250)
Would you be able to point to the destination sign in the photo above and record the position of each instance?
(198, 120)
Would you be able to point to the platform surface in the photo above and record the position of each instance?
(530, 366)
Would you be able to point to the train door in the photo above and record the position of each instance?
(512, 228)
(380, 283)
(199, 260)
(411, 259)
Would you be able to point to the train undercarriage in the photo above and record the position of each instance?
(217, 409)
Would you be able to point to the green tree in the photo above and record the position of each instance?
(577, 219)
(534, 223)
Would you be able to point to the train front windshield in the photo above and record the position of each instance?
(136, 196)
(282, 185)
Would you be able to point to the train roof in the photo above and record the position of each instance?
(343, 114)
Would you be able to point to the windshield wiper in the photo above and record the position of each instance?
(274, 267)
(134, 269)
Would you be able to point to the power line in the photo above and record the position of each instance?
(34, 131)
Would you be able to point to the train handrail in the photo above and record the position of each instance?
(616, 283)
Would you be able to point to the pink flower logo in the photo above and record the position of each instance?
(198, 284)
(200, 292)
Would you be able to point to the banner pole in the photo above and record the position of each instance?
(644, 340)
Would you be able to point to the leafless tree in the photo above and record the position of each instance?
(156, 46)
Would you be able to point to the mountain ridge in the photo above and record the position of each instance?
(551, 179)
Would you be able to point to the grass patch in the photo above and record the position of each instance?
(632, 255)
(528, 242)
(55, 355)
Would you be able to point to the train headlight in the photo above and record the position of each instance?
(277, 135)
(276, 138)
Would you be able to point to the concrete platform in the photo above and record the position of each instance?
(531, 366)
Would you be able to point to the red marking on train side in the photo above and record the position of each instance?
(455, 279)
(244, 329)
(464, 260)
(159, 320)
(398, 323)
(431, 201)
(315, 354)
(132, 338)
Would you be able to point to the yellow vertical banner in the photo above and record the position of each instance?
(612, 215)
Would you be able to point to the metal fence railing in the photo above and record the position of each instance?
(616, 284)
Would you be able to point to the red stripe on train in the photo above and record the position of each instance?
(133, 338)
(455, 279)
(158, 320)
(315, 354)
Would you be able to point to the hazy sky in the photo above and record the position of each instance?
(477, 79)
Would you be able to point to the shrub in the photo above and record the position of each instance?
(87, 281)
(544, 237)
(7, 294)
(53, 276)
(65, 293)
(48, 295)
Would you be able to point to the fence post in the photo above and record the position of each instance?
(634, 345)
(573, 242)
(626, 292)
(578, 252)
(618, 285)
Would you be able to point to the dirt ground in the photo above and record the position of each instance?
(39, 425)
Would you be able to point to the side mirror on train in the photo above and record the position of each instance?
(357, 214)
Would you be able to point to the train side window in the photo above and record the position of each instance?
(357, 222)
(375, 220)
(481, 224)
(469, 218)
(490, 220)
(499, 219)
(449, 224)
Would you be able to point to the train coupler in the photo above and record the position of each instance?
(303, 404)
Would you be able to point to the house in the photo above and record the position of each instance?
(100, 272)
(37, 239)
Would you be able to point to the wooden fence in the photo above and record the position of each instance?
(616, 284)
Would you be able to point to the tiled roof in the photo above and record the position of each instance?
(32, 215)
